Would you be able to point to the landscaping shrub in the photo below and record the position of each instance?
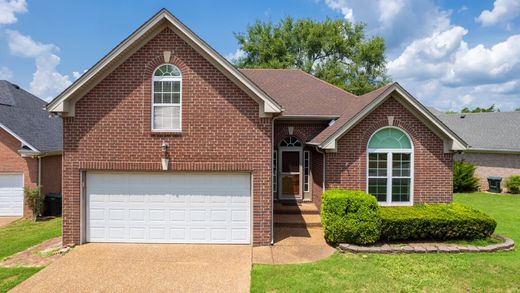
(513, 184)
(350, 216)
(34, 199)
(464, 179)
(436, 221)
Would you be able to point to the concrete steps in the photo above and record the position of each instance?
(302, 215)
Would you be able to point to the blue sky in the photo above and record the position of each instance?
(448, 53)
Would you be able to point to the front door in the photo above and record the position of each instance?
(290, 174)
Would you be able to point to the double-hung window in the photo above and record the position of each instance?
(390, 167)
(167, 99)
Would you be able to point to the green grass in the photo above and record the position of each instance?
(10, 277)
(467, 272)
(22, 234)
(17, 237)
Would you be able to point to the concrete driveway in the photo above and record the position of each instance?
(4, 221)
(146, 268)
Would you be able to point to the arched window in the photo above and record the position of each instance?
(290, 141)
(390, 166)
(167, 99)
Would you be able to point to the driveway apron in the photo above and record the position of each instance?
(146, 268)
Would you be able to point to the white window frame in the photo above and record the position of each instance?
(275, 171)
(166, 78)
(306, 169)
(389, 169)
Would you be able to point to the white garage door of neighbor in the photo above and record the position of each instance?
(11, 194)
(168, 208)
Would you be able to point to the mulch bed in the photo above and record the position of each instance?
(429, 247)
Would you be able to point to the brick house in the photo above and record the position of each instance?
(30, 149)
(165, 141)
(493, 143)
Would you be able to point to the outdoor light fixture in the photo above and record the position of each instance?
(290, 129)
(165, 161)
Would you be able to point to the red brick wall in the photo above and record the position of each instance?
(432, 168)
(51, 174)
(12, 162)
(221, 130)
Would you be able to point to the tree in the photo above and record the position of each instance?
(336, 51)
(480, 110)
(517, 110)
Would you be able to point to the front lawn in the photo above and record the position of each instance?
(22, 234)
(17, 237)
(414, 272)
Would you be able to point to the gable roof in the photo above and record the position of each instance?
(65, 101)
(351, 117)
(497, 131)
(23, 115)
(302, 94)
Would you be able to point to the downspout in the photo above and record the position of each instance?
(323, 172)
(40, 175)
(271, 164)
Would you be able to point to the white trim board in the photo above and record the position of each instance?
(18, 137)
(64, 102)
(452, 142)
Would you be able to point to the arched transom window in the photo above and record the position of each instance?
(167, 99)
(290, 141)
(390, 166)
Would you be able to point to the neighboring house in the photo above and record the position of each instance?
(30, 148)
(493, 142)
(232, 141)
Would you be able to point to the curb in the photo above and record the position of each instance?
(507, 245)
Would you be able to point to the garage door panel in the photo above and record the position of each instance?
(11, 194)
(166, 208)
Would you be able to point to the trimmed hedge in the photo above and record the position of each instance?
(436, 221)
(350, 216)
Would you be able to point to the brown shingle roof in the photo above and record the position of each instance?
(348, 114)
(300, 93)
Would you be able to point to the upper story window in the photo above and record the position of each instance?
(167, 99)
(390, 167)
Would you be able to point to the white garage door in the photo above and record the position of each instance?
(11, 195)
(167, 208)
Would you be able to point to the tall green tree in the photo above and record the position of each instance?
(336, 51)
(491, 108)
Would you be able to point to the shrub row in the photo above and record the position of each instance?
(351, 216)
(436, 221)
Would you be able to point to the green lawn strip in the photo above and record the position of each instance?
(10, 277)
(23, 233)
(475, 272)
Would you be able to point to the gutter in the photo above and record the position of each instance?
(492, 151)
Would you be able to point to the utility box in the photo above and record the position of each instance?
(494, 184)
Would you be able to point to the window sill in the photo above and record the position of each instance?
(165, 133)
(395, 204)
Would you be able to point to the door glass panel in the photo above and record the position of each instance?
(291, 185)
(291, 162)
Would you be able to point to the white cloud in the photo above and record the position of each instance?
(6, 73)
(233, 57)
(503, 12)
(398, 21)
(47, 81)
(9, 9)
